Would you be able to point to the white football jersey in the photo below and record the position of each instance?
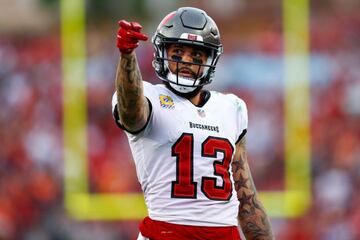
(183, 157)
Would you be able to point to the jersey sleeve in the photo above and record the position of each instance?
(149, 92)
(242, 117)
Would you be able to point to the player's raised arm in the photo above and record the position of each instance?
(132, 106)
(252, 217)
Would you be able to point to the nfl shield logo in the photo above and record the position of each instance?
(201, 113)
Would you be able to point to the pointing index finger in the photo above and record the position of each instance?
(138, 35)
(125, 24)
(136, 26)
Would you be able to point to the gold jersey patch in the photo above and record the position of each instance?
(166, 101)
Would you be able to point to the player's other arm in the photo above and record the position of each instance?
(254, 222)
(132, 106)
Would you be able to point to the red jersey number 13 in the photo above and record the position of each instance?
(185, 186)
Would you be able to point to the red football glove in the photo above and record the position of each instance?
(128, 36)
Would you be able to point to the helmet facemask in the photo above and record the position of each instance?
(199, 71)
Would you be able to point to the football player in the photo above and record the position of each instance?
(188, 143)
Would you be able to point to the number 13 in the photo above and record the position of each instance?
(184, 186)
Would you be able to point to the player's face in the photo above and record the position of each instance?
(186, 53)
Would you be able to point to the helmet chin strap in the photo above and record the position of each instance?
(172, 78)
(182, 89)
(183, 94)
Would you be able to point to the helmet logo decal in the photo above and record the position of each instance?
(166, 102)
(192, 37)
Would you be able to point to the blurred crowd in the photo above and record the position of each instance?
(31, 150)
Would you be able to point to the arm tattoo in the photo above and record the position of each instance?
(132, 105)
(252, 217)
